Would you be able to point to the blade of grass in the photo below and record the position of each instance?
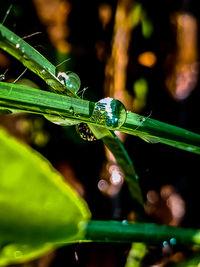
(149, 233)
(42, 102)
(32, 59)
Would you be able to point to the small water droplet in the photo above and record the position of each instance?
(109, 112)
(141, 120)
(71, 110)
(77, 115)
(2, 77)
(172, 241)
(70, 80)
(165, 244)
(43, 72)
(124, 222)
(17, 45)
(25, 56)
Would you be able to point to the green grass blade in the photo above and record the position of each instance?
(154, 131)
(149, 233)
(36, 101)
(32, 59)
(131, 177)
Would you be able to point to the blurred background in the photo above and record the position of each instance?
(144, 53)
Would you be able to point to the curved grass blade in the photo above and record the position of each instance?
(32, 59)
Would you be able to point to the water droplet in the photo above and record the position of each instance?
(165, 244)
(71, 110)
(77, 115)
(2, 77)
(43, 72)
(85, 132)
(124, 222)
(25, 57)
(109, 112)
(71, 80)
(172, 241)
(17, 45)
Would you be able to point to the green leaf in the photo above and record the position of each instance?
(38, 210)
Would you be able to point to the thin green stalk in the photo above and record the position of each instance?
(149, 233)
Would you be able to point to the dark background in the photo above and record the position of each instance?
(156, 164)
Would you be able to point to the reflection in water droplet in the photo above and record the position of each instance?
(85, 132)
(124, 222)
(172, 241)
(109, 112)
(17, 45)
(165, 244)
(71, 80)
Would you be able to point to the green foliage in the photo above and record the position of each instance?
(38, 209)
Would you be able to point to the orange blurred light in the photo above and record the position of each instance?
(184, 74)
(105, 14)
(54, 15)
(147, 59)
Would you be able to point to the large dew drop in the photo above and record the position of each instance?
(109, 112)
(70, 80)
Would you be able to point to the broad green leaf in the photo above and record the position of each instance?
(38, 210)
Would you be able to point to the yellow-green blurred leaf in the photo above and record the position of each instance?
(38, 210)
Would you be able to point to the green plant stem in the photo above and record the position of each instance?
(149, 233)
